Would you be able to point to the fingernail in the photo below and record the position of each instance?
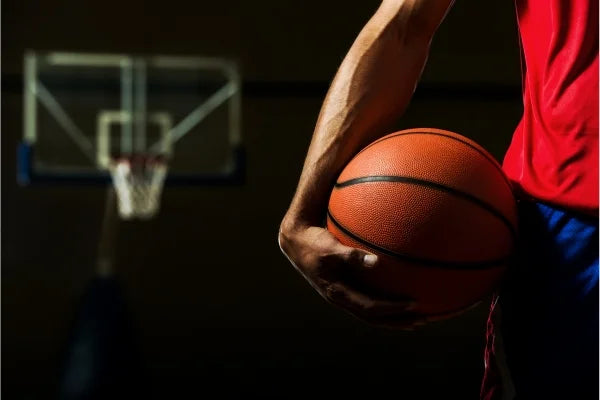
(370, 260)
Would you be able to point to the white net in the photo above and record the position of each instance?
(138, 182)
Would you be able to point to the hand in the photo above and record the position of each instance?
(327, 265)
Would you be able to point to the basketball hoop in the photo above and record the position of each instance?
(138, 181)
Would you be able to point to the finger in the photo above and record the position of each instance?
(348, 255)
(337, 261)
(366, 306)
(357, 257)
(450, 315)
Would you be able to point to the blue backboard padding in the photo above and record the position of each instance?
(23, 164)
(27, 175)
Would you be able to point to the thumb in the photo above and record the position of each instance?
(360, 258)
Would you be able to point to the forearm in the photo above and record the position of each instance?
(370, 91)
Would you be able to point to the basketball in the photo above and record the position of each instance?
(437, 210)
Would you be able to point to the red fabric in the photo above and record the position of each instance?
(491, 386)
(553, 156)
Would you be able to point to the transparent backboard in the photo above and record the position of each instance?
(83, 110)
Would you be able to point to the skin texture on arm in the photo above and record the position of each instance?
(369, 93)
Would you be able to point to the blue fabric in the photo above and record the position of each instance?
(550, 305)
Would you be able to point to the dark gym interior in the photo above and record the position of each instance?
(216, 309)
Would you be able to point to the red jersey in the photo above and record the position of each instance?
(553, 156)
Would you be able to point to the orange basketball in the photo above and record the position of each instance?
(437, 209)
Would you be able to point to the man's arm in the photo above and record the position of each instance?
(369, 93)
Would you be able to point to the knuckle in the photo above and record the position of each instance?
(351, 256)
(330, 294)
(354, 254)
(333, 293)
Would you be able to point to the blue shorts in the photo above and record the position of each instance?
(542, 336)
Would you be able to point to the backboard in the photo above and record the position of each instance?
(83, 110)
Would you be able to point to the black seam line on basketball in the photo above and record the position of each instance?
(467, 265)
(493, 160)
(431, 185)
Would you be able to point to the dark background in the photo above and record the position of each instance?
(216, 305)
